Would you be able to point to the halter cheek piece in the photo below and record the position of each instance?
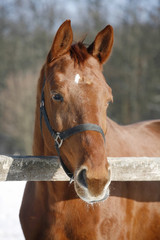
(59, 137)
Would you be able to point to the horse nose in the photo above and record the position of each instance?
(82, 178)
(93, 184)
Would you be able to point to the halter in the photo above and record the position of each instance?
(59, 137)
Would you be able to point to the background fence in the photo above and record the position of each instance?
(34, 168)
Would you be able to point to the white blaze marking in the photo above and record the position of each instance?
(77, 78)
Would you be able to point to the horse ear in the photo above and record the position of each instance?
(102, 45)
(62, 41)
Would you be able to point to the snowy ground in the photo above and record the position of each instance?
(10, 200)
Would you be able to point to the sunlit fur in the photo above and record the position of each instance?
(78, 210)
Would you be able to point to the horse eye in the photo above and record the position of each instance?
(57, 97)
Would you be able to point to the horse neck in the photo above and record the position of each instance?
(115, 139)
(38, 143)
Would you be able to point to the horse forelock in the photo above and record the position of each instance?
(79, 53)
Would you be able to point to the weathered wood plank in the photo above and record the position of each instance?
(34, 168)
(135, 168)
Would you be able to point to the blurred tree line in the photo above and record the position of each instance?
(26, 33)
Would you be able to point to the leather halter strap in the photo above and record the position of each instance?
(59, 137)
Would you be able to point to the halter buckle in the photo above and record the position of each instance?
(58, 140)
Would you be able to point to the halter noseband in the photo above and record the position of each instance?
(59, 137)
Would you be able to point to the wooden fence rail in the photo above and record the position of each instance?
(34, 168)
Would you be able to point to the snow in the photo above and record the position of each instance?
(10, 201)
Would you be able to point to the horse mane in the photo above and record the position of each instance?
(79, 53)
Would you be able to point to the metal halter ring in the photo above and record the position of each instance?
(58, 140)
(41, 104)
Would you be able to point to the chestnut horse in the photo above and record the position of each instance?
(71, 121)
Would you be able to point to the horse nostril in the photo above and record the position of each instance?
(82, 178)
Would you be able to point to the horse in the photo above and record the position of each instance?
(71, 122)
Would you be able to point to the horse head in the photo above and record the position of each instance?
(76, 93)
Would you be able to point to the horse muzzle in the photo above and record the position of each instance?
(91, 188)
